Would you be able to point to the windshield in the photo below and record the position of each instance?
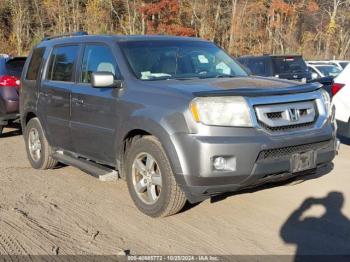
(284, 65)
(329, 70)
(156, 60)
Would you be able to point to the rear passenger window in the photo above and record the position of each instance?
(97, 58)
(258, 67)
(61, 67)
(35, 63)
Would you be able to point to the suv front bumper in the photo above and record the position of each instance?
(258, 158)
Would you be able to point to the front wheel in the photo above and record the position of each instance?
(39, 151)
(150, 179)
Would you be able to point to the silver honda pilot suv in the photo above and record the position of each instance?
(176, 117)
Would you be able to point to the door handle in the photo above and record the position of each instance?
(77, 101)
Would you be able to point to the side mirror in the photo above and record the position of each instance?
(104, 80)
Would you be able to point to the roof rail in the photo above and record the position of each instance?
(79, 33)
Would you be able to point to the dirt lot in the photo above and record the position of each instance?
(65, 211)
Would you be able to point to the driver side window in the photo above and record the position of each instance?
(97, 58)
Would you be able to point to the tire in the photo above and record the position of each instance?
(169, 197)
(41, 159)
(1, 129)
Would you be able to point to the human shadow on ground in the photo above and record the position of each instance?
(324, 238)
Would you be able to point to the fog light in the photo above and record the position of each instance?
(220, 163)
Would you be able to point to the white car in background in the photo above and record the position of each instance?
(341, 101)
(323, 70)
(341, 64)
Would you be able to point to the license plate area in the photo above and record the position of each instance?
(302, 161)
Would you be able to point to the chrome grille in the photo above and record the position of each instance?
(286, 128)
(287, 116)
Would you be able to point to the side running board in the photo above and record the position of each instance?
(101, 172)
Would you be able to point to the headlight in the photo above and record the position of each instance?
(221, 111)
(327, 103)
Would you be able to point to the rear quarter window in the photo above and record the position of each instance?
(344, 64)
(35, 63)
(15, 66)
(258, 66)
(62, 61)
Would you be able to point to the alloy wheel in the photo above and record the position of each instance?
(146, 178)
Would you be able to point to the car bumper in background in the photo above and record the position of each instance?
(9, 104)
(343, 129)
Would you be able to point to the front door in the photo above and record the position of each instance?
(94, 112)
(54, 95)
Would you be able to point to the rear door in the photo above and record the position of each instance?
(55, 92)
(94, 112)
(30, 81)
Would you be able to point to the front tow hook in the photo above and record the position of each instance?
(337, 146)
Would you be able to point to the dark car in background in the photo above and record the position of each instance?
(10, 73)
(291, 67)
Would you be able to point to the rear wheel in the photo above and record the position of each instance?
(150, 179)
(39, 151)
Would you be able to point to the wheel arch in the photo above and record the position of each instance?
(152, 128)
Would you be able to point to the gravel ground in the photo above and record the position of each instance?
(65, 211)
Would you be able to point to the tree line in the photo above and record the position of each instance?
(318, 29)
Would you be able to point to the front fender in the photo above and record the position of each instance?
(163, 130)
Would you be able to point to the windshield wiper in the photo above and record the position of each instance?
(217, 76)
(155, 78)
(186, 78)
(225, 76)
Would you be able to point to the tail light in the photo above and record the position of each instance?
(9, 81)
(336, 88)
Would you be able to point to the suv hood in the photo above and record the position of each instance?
(242, 86)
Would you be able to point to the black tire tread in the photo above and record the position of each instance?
(177, 198)
(48, 162)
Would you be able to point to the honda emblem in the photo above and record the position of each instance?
(294, 114)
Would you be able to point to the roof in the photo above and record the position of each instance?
(321, 64)
(327, 61)
(267, 55)
(116, 38)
